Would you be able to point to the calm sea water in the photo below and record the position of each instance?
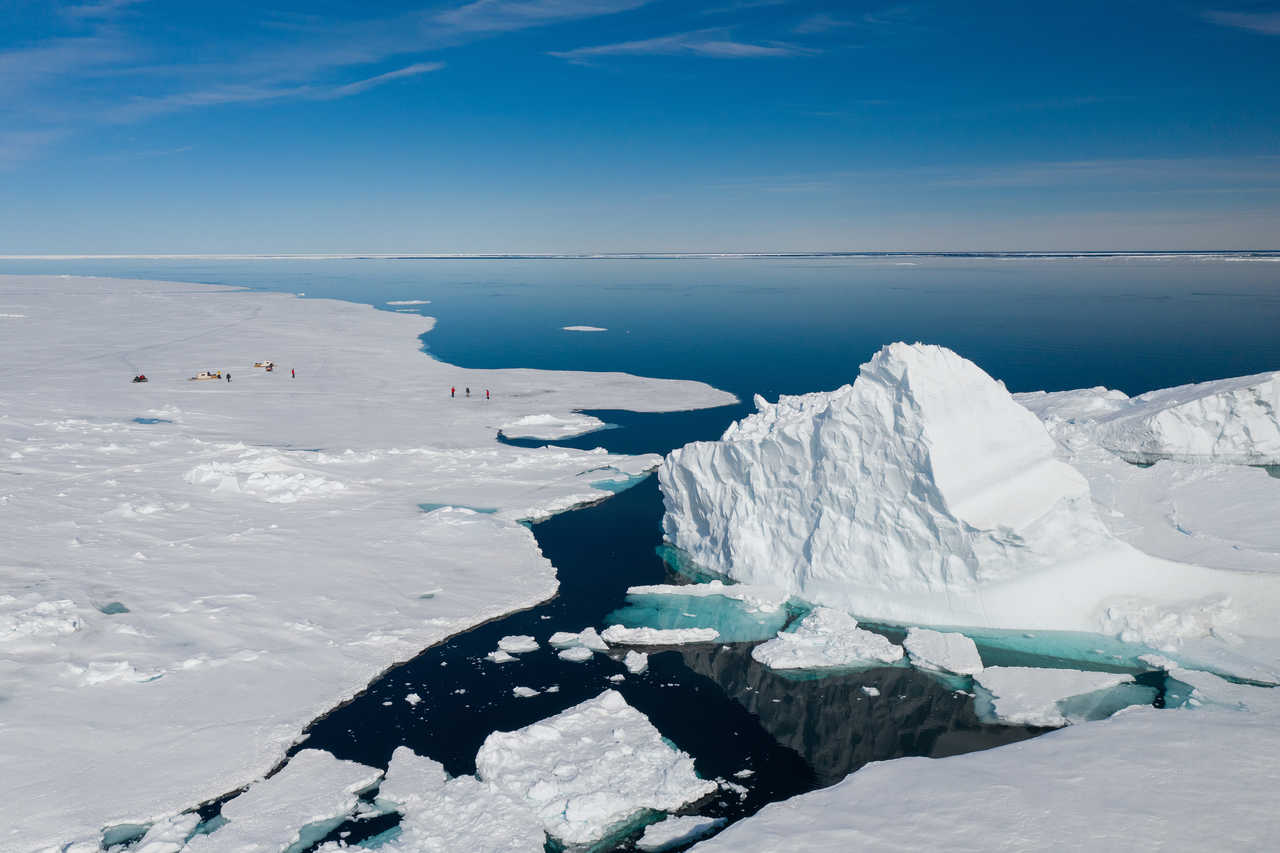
(764, 326)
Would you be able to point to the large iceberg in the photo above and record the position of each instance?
(923, 493)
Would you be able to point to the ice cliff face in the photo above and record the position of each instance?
(922, 477)
(1236, 421)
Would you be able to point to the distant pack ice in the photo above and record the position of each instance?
(923, 493)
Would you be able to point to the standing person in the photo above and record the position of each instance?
(228, 375)
(468, 390)
(452, 391)
(486, 393)
(293, 374)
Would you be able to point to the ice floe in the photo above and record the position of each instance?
(944, 652)
(672, 831)
(300, 804)
(264, 533)
(625, 636)
(590, 770)
(826, 638)
(635, 662)
(1033, 696)
(516, 644)
(552, 427)
(584, 329)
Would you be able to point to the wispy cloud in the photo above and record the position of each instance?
(100, 9)
(1267, 23)
(1168, 172)
(821, 23)
(504, 15)
(369, 82)
(18, 146)
(715, 44)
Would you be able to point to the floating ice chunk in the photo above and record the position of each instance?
(563, 640)
(826, 638)
(1031, 696)
(576, 654)
(590, 638)
(756, 597)
(636, 662)
(658, 636)
(302, 803)
(950, 652)
(584, 329)
(590, 769)
(169, 835)
(467, 814)
(672, 831)
(522, 692)
(412, 698)
(408, 302)
(871, 691)
(1226, 420)
(411, 779)
(552, 427)
(516, 644)
(499, 656)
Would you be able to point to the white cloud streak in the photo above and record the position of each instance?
(1266, 23)
(505, 15)
(714, 44)
(369, 82)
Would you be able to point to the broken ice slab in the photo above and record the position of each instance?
(590, 770)
(293, 809)
(827, 639)
(738, 613)
(674, 831)
(1036, 696)
(942, 652)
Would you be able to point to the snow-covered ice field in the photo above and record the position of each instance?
(193, 570)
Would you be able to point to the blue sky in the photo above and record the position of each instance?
(625, 125)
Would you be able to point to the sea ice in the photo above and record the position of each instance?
(585, 329)
(622, 635)
(1226, 420)
(213, 524)
(302, 803)
(826, 638)
(169, 835)
(943, 652)
(516, 644)
(467, 814)
(636, 662)
(522, 692)
(552, 427)
(576, 654)
(410, 778)
(499, 656)
(1033, 696)
(672, 831)
(590, 769)
(756, 597)
(1082, 787)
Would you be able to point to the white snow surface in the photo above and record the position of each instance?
(590, 769)
(942, 652)
(923, 494)
(1234, 421)
(622, 635)
(179, 599)
(1029, 696)
(635, 662)
(1097, 786)
(552, 427)
(671, 831)
(826, 638)
(313, 788)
